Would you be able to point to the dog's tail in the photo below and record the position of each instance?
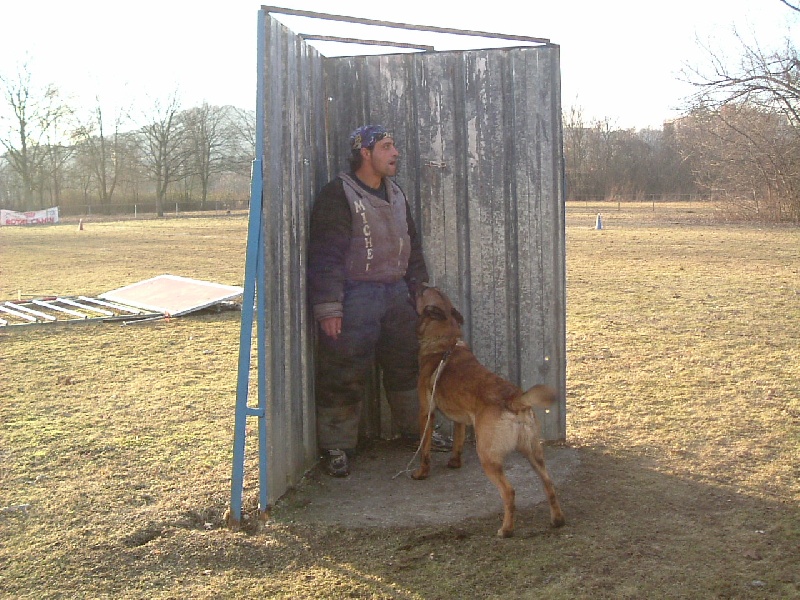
(540, 396)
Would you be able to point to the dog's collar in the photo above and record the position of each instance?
(446, 357)
(449, 351)
(438, 372)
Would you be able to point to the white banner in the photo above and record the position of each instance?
(34, 217)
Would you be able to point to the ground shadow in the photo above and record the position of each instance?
(379, 490)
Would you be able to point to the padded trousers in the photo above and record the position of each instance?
(378, 324)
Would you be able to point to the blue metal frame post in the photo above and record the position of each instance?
(254, 276)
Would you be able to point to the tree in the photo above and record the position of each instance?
(243, 123)
(58, 156)
(208, 134)
(101, 151)
(755, 105)
(575, 152)
(744, 155)
(163, 147)
(602, 162)
(31, 130)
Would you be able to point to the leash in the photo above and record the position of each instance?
(431, 405)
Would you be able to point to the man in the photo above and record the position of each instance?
(364, 251)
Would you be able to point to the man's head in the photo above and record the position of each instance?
(367, 136)
(373, 150)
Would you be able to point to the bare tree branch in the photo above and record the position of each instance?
(163, 147)
(31, 131)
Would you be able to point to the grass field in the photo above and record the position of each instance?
(683, 406)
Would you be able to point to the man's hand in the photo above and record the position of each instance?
(332, 326)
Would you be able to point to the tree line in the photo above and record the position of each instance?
(99, 163)
(738, 143)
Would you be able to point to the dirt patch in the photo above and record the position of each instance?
(380, 492)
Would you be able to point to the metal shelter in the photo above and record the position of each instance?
(479, 133)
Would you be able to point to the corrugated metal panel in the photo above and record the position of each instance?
(480, 138)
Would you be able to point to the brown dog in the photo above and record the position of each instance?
(452, 380)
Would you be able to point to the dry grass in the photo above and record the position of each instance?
(684, 407)
(63, 260)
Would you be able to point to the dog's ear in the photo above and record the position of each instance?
(414, 286)
(435, 313)
(457, 315)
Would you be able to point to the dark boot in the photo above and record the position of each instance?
(335, 463)
(337, 427)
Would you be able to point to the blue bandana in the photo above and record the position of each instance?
(367, 136)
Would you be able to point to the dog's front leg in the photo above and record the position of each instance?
(459, 434)
(425, 432)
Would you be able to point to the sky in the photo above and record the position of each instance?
(621, 60)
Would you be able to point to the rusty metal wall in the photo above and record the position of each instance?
(480, 137)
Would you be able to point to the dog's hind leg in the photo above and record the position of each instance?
(459, 434)
(494, 471)
(533, 452)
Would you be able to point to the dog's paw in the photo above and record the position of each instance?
(454, 462)
(558, 521)
(420, 474)
(505, 533)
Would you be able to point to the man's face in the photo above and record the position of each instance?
(384, 157)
